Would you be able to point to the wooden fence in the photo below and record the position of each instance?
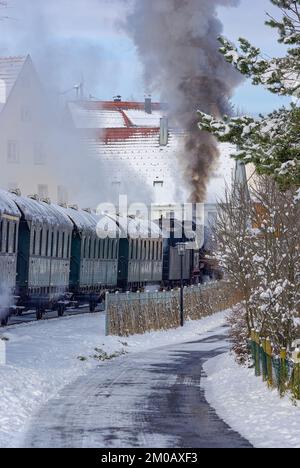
(136, 313)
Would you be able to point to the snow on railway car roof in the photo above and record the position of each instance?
(40, 212)
(7, 205)
(137, 227)
(83, 220)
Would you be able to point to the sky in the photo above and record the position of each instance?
(74, 40)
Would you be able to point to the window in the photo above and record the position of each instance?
(34, 242)
(13, 153)
(158, 184)
(7, 236)
(41, 243)
(25, 114)
(62, 195)
(39, 153)
(43, 191)
(15, 238)
(47, 243)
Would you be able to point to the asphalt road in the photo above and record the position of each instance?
(149, 400)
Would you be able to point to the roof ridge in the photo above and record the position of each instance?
(13, 57)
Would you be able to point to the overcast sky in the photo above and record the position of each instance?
(71, 39)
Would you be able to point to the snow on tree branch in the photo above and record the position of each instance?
(270, 142)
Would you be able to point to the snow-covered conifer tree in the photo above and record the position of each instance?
(271, 142)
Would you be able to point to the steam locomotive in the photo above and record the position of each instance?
(53, 256)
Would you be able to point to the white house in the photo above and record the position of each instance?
(26, 140)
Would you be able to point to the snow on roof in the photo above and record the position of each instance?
(10, 68)
(107, 114)
(131, 153)
(7, 205)
(83, 220)
(41, 213)
(140, 118)
(136, 227)
(127, 141)
(95, 118)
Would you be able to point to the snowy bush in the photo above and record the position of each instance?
(257, 244)
(237, 321)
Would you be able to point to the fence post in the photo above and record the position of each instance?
(107, 314)
(257, 354)
(264, 359)
(296, 381)
(283, 375)
(269, 362)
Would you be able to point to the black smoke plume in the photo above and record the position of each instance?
(177, 42)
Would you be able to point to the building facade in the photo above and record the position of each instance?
(26, 136)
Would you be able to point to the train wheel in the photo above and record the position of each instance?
(61, 310)
(92, 306)
(39, 314)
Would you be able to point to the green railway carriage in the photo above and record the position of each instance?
(9, 228)
(140, 253)
(43, 263)
(94, 260)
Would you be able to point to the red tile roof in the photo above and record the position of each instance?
(119, 134)
(117, 105)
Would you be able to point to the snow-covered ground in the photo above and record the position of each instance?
(245, 403)
(44, 357)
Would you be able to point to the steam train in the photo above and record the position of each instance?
(53, 256)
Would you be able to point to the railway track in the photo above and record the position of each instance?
(30, 316)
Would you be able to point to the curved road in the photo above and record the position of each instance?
(148, 400)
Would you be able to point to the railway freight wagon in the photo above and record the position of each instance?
(140, 254)
(94, 260)
(9, 228)
(43, 262)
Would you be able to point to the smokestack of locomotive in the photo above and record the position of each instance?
(177, 41)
